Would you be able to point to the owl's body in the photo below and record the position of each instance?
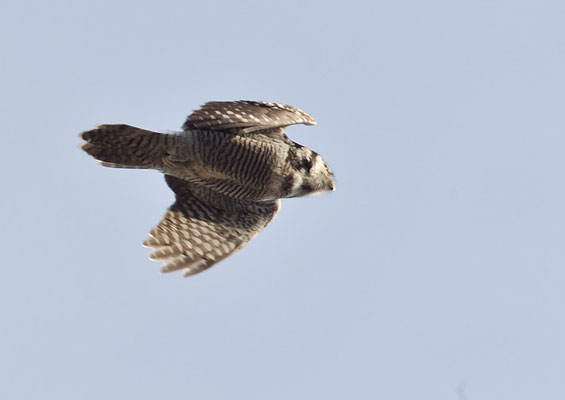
(228, 168)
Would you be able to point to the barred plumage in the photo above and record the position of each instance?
(228, 169)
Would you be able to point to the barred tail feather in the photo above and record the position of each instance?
(125, 146)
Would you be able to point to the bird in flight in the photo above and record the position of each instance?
(228, 167)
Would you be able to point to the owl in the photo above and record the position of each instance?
(228, 168)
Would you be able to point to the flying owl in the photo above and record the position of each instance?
(228, 168)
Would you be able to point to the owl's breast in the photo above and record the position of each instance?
(248, 167)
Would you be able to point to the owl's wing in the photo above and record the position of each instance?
(245, 116)
(194, 234)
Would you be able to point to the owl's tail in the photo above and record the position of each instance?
(124, 146)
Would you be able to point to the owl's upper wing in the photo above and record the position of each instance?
(199, 229)
(247, 116)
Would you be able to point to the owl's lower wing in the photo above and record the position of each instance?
(202, 228)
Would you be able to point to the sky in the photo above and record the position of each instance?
(436, 270)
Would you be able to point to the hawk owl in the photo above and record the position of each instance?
(228, 168)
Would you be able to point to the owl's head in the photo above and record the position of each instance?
(312, 175)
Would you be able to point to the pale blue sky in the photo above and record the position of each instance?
(436, 270)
